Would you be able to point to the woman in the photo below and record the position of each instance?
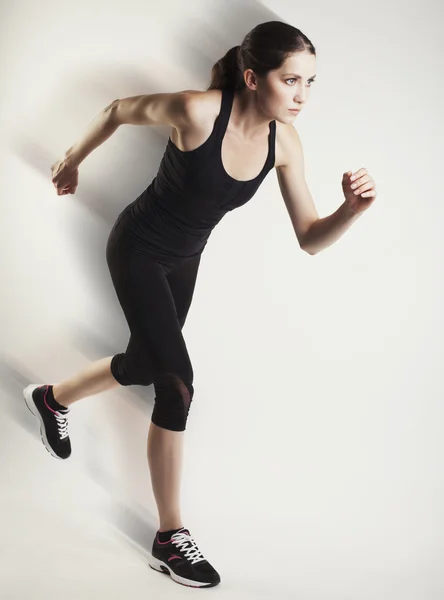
(223, 143)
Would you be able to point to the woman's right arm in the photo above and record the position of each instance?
(147, 109)
(171, 109)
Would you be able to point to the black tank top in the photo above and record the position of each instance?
(190, 194)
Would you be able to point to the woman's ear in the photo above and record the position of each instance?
(250, 79)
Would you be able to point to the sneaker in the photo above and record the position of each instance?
(181, 559)
(53, 423)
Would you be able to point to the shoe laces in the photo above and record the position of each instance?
(62, 424)
(188, 546)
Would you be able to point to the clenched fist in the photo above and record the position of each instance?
(65, 177)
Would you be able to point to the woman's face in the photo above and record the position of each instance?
(287, 87)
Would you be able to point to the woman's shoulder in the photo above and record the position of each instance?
(288, 144)
(203, 105)
(201, 110)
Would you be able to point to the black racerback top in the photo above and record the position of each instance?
(190, 194)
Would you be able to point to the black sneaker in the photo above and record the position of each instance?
(181, 559)
(53, 423)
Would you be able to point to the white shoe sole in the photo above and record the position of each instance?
(159, 565)
(27, 394)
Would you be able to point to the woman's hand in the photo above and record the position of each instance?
(65, 177)
(359, 190)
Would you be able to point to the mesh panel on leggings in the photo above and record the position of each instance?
(172, 402)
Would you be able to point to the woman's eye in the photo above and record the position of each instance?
(310, 81)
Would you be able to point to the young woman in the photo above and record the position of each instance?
(223, 143)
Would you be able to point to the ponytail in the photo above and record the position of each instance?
(227, 72)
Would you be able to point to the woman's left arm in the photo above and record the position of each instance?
(360, 193)
(315, 234)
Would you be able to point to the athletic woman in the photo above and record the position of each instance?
(223, 143)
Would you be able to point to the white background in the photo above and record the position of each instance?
(313, 451)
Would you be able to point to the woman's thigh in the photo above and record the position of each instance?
(182, 282)
(155, 304)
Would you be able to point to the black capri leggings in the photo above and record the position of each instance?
(155, 298)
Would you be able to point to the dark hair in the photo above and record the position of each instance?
(264, 49)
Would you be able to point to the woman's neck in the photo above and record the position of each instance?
(247, 116)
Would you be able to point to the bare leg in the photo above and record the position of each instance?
(94, 379)
(165, 454)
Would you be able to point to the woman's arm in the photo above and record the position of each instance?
(294, 189)
(65, 172)
(99, 130)
(314, 234)
(172, 109)
(155, 109)
(148, 109)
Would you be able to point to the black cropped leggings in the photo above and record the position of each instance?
(155, 299)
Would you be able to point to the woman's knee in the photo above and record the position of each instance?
(174, 395)
(130, 373)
